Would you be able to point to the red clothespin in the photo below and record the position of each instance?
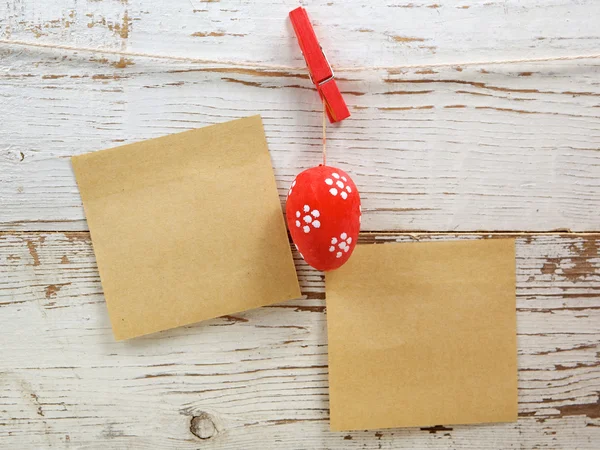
(319, 69)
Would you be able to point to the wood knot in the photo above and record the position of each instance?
(203, 426)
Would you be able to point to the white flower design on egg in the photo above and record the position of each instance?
(340, 187)
(310, 218)
(343, 245)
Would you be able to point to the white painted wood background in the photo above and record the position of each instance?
(456, 153)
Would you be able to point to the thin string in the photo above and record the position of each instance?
(324, 133)
(263, 66)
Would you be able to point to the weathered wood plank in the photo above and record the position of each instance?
(445, 151)
(352, 32)
(459, 149)
(258, 379)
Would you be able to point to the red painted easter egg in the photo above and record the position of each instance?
(323, 216)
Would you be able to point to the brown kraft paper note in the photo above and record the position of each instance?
(186, 227)
(423, 334)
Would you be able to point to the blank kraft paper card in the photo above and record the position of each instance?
(423, 334)
(186, 227)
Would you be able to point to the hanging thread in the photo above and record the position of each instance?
(324, 133)
(262, 66)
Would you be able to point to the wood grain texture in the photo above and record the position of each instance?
(458, 149)
(259, 379)
(448, 150)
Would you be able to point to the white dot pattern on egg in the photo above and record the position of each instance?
(343, 244)
(308, 219)
(340, 183)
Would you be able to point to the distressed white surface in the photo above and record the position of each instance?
(482, 148)
(352, 32)
(259, 379)
(490, 148)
